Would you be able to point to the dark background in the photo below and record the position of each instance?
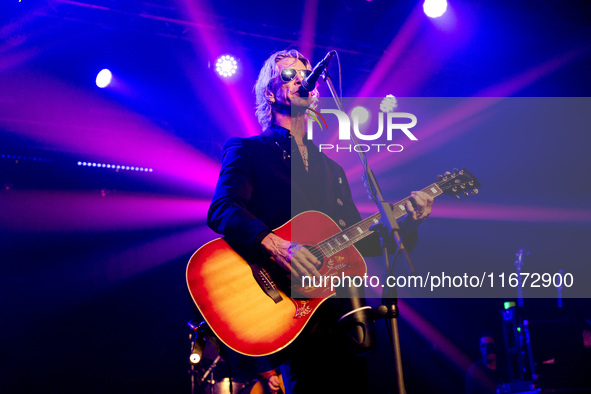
(93, 260)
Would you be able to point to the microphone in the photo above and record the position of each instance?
(198, 342)
(197, 349)
(309, 83)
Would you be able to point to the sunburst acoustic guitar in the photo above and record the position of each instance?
(250, 312)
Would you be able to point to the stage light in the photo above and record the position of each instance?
(113, 166)
(18, 158)
(434, 8)
(226, 66)
(103, 78)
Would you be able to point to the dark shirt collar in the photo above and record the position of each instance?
(282, 131)
(285, 136)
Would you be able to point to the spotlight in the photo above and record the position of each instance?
(103, 78)
(434, 8)
(226, 66)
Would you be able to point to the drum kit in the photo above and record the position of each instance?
(214, 379)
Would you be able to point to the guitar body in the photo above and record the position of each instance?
(236, 308)
(248, 320)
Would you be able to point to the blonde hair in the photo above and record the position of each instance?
(269, 71)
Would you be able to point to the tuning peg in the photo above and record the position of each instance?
(454, 189)
(439, 177)
(447, 173)
(475, 191)
(463, 185)
(466, 194)
(458, 196)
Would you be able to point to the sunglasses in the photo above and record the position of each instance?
(288, 74)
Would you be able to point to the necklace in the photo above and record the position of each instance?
(304, 152)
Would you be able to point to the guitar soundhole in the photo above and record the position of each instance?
(317, 253)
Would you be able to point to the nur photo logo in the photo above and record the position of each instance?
(389, 126)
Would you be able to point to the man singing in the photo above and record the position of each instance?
(265, 180)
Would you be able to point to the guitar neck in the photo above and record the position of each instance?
(358, 231)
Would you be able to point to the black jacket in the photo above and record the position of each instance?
(263, 184)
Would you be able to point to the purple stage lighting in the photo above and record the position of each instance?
(435, 8)
(103, 78)
(226, 66)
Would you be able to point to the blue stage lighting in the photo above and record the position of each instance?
(226, 66)
(103, 78)
(434, 8)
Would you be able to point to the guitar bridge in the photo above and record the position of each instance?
(265, 282)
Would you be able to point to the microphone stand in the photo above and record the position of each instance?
(389, 307)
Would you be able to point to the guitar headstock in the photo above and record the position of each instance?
(458, 182)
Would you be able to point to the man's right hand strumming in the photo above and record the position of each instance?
(291, 256)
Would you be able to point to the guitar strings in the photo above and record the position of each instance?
(320, 252)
